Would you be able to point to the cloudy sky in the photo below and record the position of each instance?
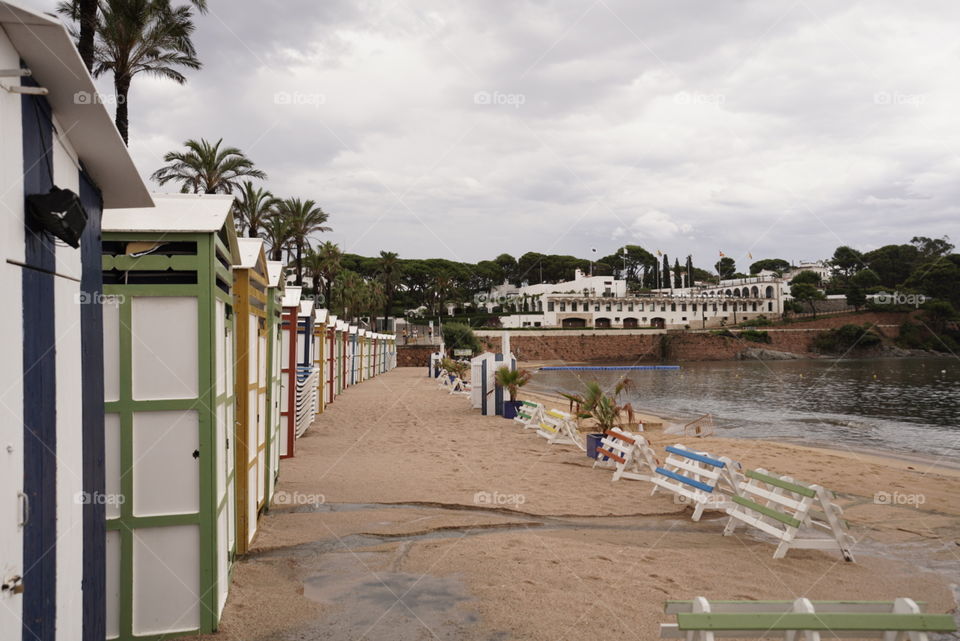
(463, 129)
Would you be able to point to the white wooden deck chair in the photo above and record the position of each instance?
(529, 414)
(791, 512)
(899, 620)
(704, 480)
(443, 380)
(560, 428)
(629, 453)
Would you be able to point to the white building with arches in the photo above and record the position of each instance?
(730, 302)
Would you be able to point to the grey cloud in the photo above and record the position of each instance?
(775, 128)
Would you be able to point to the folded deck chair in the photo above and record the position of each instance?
(629, 453)
(898, 620)
(699, 478)
(794, 513)
(459, 387)
(560, 428)
(529, 414)
(443, 380)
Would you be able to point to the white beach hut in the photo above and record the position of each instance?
(52, 494)
(275, 288)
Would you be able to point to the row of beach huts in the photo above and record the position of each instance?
(156, 370)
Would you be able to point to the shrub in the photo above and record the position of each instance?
(722, 332)
(460, 336)
(755, 336)
(845, 338)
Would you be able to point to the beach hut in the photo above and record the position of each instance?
(485, 394)
(275, 288)
(52, 494)
(354, 333)
(330, 374)
(306, 374)
(343, 336)
(382, 356)
(290, 315)
(250, 442)
(169, 371)
(319, 352)
(362, 338)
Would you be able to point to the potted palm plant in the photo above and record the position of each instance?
(512, 380)
(453, 368)
(604, 409)
(459, 369)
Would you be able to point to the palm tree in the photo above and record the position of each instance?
(206, 168)
(389, 272)
(305, 218)
(276, 231)
(349, 285)
(374, 298)
(313, 263)
(132, 37)
(252, 207)
(330, 256)
(85, 13)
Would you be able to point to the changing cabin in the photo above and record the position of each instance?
(169, 373)
(52, 495)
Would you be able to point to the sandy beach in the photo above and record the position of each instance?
(408, 515)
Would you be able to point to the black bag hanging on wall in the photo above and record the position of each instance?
(59, 212)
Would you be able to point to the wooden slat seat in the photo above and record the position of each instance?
(899, 620)
(791, 512)
(701, 478)
(630, 454)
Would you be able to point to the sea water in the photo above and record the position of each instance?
(904, 406)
